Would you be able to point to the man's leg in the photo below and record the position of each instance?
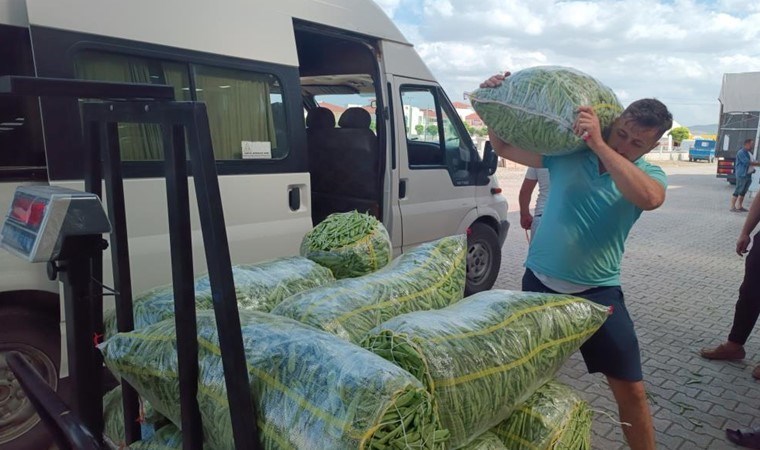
(633, 408)
(733, 202)
(739, 202)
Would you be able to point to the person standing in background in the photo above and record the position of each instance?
(533, 177)
(743, 168)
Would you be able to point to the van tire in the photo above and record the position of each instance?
(38, 338)
(483, 258)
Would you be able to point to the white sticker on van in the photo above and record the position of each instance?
(257, 149)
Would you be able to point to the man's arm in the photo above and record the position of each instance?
(753, 217)
(516, 154)
(636, 186)
(526, 190)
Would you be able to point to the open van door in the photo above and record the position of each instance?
(437, 163)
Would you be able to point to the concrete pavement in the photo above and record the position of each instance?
(681, 277)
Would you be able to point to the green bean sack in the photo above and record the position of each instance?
(487, 354)
(535, 108)
(312, 389)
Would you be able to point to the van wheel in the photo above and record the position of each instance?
(38, 339)
(483, 258)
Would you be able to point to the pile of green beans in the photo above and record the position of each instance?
(312, 390)
(552, 418)
(350, 244)
(486, 441)
(258, 287)
(535, 108)
(113, 418)
(430, 276)
(487, 354)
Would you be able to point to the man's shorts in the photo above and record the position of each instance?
(614, 349)
(742, 185)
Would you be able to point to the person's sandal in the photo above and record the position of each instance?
(742, 209)
(748, 439)
(722, 352)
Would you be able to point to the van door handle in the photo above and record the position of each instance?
(402, 189)
(294, 198)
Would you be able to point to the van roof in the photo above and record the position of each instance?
(251, 29)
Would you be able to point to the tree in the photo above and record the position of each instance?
(432, 130)
(679, 134)
(470, 129)
(482, 131)
(419, 128)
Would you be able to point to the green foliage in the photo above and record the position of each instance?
(419, 128)
(432, 130)
(482, 131)
(679, 134)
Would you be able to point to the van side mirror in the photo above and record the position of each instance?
(490, 159)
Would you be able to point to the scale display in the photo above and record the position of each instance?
(41, 217)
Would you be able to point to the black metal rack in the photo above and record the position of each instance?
(153, 104)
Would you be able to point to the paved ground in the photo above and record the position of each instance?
(681, 277)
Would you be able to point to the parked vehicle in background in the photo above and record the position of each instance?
(261, 67)
(739, 116)
(702, 150)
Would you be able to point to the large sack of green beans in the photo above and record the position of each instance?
(113, 418)
(312, 390)
(535, 108)
(429, 276)
(350, 244)
(485, 355)
(486, 441)
(554, 418)
(258, 287)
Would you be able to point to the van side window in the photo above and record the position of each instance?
(245, 112)
(245, 109)
(139, 142)
(433, 139)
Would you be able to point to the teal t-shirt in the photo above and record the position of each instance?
(586, 221)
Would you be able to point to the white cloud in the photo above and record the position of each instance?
(675, 50)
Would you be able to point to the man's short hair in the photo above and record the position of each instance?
(649, 113)
(748, 141)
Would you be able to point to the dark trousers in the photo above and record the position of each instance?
(748, 306)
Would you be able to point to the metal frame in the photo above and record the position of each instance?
(103, 161)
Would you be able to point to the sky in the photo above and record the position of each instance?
(676, 51)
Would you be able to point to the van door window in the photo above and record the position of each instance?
(433, 138)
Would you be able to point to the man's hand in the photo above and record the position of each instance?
(588, 128)
(526, 221)
(742, 243)
(495, 81)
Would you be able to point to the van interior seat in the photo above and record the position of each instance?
(343, 162)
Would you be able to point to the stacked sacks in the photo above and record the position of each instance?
(487, 354)
(552, 418)
(258, 287)
(430, 276)
(312, 390)
(535, 108)
(113, 418)
(350, 244)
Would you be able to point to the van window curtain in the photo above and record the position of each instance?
(239, 109)
(138, 142)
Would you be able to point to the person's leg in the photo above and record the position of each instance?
(633, 408)
(742, 186)
(746, 312)
(739, 202)
(748, 305)
(614, 351)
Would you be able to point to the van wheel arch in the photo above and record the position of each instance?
(29, 324)
(483, 256)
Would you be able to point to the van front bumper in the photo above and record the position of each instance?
(503, 229)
